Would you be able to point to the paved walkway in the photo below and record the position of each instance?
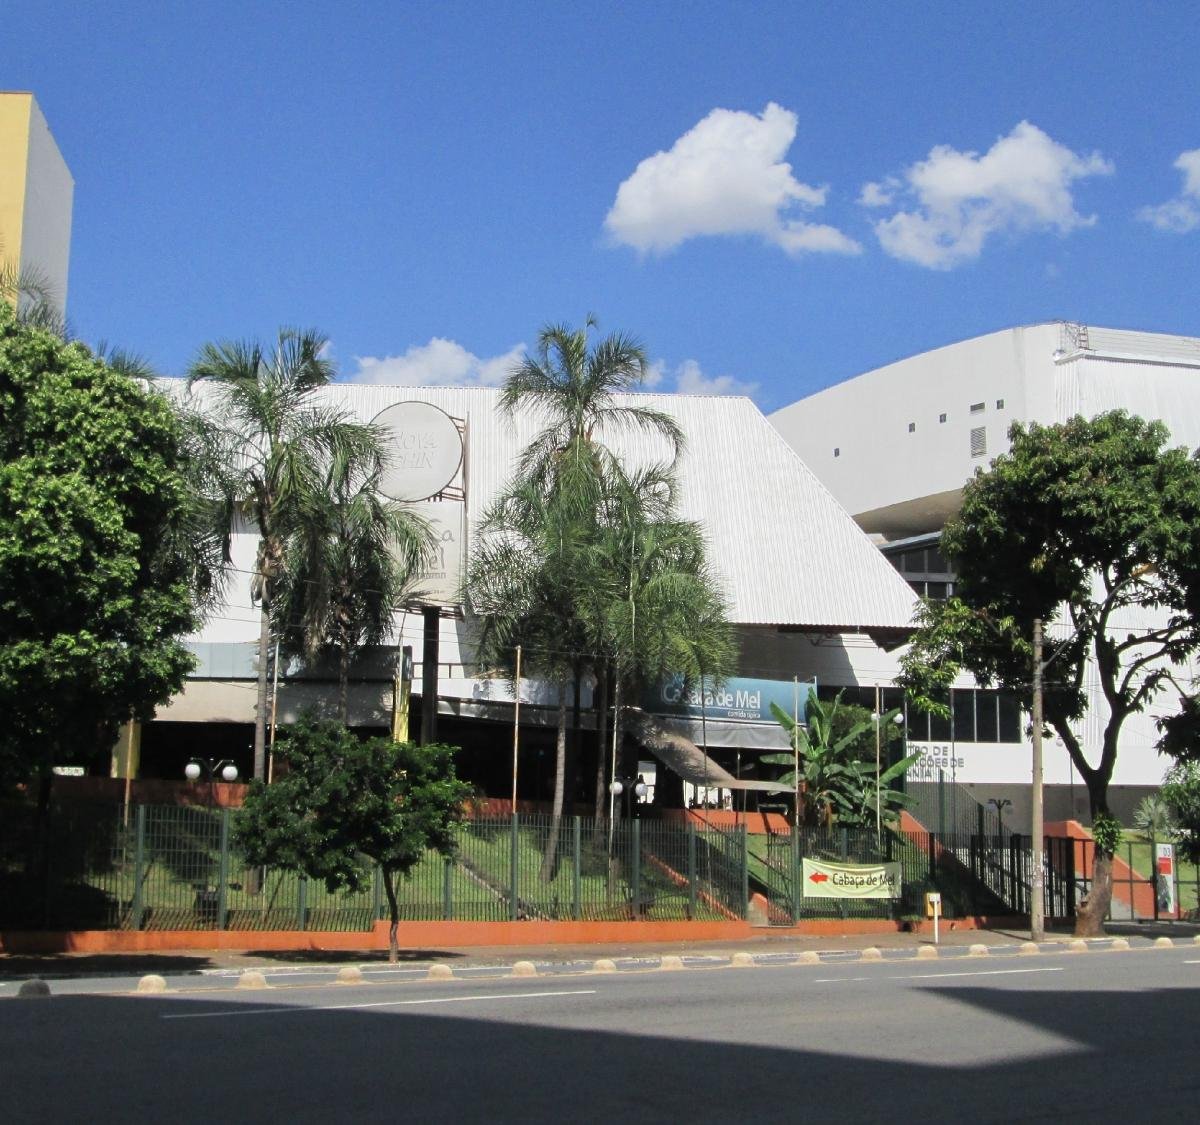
(199, 960)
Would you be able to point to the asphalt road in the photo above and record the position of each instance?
(1099, 1036)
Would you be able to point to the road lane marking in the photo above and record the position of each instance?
(373, 1004)
(934, 976)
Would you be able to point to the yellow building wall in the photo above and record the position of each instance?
(16, 111)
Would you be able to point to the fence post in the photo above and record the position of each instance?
(691, 868)
(797, 886)
(1070, 849)
(931, 840)
(941, 803)
(302, 904)
(635, 864)
(843, 909)
(139, 864)
(976, 874)
(745, 871)
(576, 868)
(447, 888)
(513, 860)
(223, 874)
(376, 894)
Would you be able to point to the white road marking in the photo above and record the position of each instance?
(934, 976)
(374, 1004)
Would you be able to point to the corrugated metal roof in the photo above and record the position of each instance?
(787, 552)
(1158, 347)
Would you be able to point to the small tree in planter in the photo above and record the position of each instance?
(345, 804)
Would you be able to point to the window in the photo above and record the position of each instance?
(963, 709)
(999, 404)
(941, 417)
(1010, 718)
(912, 427)
(836, 451)
(977, 407)
(979, 441)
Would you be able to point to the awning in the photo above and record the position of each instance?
(684, 757)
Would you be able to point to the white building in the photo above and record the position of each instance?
(36, 195)
(895, 446)
(809, 594)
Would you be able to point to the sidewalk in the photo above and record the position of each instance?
(200, 959)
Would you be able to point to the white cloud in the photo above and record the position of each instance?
(439, 363)
(1023, 182)
(725, 176)
(1181, 214)
(690, 380)
(879, 194)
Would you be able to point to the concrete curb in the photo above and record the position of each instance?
(251, 978)
(151, 984)
(523, 969)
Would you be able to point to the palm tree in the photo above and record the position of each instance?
(652, 604)
(351, 557)
(525, 583)
(276, 439)
(574, 390)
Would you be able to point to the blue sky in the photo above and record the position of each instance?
(772, 197)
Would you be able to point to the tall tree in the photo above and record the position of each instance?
(94, 602)
(345, 803)
(351, 557)
(1094, 524)
(524, 586)
(572, 389)
(277, 436)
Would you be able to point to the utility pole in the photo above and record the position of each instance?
(1037, 877)
(516, 726)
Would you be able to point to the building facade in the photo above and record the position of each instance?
(897, 444)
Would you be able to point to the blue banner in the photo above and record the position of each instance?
(736, 699)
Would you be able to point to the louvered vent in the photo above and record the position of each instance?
(979, 441)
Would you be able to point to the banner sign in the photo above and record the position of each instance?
(1164, 870)
(850, 880)
(738, 699)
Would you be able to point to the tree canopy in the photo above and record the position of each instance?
(94, 601)
(275, 440)
(1093, 524)
(342, 804)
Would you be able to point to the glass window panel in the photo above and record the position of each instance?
(914, 562)
(937, 561)
(1010, 719)
(937, 591)
(985, 716)
(964, 716)
(939, 728)
(918, 725)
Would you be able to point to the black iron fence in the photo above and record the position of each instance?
(149, 867)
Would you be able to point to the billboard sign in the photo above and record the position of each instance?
(736, 699)
(425, 450)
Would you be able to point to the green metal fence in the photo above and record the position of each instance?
(177, 867)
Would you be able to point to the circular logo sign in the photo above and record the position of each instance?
(424, 450)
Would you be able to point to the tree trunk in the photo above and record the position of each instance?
(560, 777)
(394, 909)
(344, 683)
(1090, 915)
(260, 707)
(601, 702)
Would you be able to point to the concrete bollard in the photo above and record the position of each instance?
(809, 957)
(1029, 949)
(33, 988)
(670, 963)
(1163, 942)
(978, 950)
(151, 983)
(523, 969)
(927, 953)
(871, 953)
(252, 978)
(440, 972)
(742, 960)
(349, 974)
(1077, 946)
(1119, 945)
(604, 965)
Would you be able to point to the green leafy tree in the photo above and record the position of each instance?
(1181, 791)
(524, 586)
(345, 804)
(1095, 524)
(350, 559)
(94, 602)
(275, 436)
(836, 783)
